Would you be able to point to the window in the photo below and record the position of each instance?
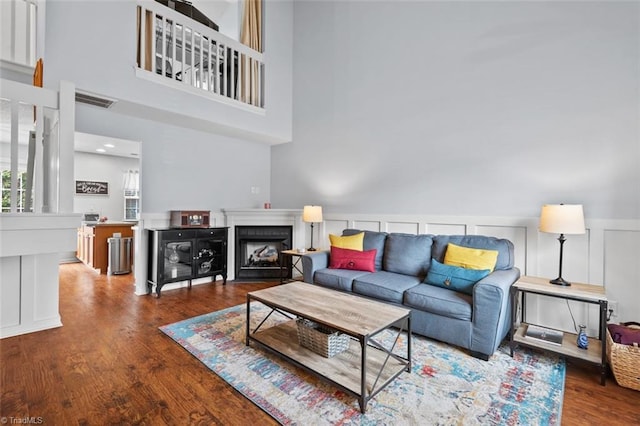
(6, 191)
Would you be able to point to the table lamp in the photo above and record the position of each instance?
(562, 219)
(312, 214)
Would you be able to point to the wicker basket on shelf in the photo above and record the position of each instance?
(625, 363)
(320, 339)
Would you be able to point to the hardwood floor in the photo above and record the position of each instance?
(109, 364)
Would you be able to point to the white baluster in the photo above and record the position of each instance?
(193, 57)
(174, 40)
(15, 115)
(163, 59)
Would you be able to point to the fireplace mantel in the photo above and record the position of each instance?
(265, 217)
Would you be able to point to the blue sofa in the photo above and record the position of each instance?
(477, 322)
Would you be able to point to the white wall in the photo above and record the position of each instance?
(186, 169)
(439, 111)
(464, 108)
(225, 13)
(102, 168)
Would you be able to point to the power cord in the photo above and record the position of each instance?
(609, 313)
(572, 318)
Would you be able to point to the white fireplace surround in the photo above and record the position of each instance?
(261, 217)
(224, 217)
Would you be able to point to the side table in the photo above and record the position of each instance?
(295, 258)
(587, 293)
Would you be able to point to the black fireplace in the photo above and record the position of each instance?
(257, 253)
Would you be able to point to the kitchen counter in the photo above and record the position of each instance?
(93, 249)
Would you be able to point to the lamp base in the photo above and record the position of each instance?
(560, 281)
(312, 249)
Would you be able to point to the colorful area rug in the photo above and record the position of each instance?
(446, 385)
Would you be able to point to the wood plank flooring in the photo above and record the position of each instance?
(109, 364)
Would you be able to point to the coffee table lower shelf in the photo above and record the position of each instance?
(343, 370)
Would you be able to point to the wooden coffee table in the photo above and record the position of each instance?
(362, 370)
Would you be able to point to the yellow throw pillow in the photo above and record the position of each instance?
(470, 258)
(352, 242)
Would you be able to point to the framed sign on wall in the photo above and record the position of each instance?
(90, 187)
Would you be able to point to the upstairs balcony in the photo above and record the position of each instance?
(177, 51)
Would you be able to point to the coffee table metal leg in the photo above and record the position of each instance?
(363, 375)
(409, 343)
(601, 335)
(248, 321)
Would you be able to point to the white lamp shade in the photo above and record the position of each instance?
(312, 214)
(562, 219)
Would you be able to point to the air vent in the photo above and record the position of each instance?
(86, 98)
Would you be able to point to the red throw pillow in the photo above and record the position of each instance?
(352, 259)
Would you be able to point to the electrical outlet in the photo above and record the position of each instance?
(613, 307)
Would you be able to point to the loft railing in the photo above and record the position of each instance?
(189, 53)
(18, 31)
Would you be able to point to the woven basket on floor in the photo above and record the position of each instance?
(320, 339)
(625, 363)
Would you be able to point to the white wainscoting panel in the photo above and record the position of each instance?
(334, 227)
(368, 225)
(622, 272)
(403, 227)
(29, 287)
(446, 229)
(608, 254)
(516, 234)
(9, 294)
(29, 293)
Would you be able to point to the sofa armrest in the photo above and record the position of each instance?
(492, 310)
(311, 262)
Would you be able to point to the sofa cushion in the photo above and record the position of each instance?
(504, 247)
(372, 240)
(471, 258)
(352, 259)
(439, 301)
(337, 279)
(407, 254)
(353, 242)
(454, 277)
(385, 286)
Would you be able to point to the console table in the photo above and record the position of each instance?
(587, 293)
(293, 258)
(186, 254)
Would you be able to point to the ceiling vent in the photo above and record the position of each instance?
(90, 99)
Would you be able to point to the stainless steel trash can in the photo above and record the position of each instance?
(119, 255)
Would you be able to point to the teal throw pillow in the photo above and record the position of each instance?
(454, 277)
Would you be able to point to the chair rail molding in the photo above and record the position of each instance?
(605, 255)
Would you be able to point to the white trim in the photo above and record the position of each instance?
(16, 67)
(173, 84)
(586, 257)
(266, 217)
(54, 233)
(39, 325)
